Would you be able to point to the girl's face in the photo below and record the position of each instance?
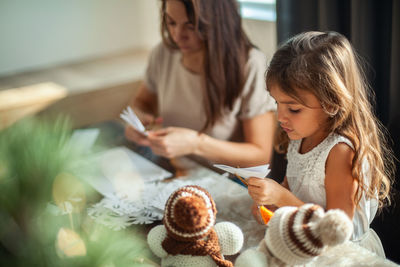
(300, 121)
(181, 30)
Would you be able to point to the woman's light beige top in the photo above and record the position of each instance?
(180, 94)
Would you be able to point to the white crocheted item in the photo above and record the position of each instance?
(252, 257)
(230, 238)
(299, 235)
(347, 254)
(296, 235)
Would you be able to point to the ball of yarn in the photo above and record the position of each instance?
(335, 227)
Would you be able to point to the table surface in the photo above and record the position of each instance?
(232, 199)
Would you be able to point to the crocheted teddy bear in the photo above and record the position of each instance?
(188, 236)
(296, 236)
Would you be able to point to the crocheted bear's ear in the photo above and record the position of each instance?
(190, 213)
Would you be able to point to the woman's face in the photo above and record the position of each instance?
(181, 30)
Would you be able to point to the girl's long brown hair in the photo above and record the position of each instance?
(325, 64)
(218, 23)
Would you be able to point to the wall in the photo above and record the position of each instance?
(41, 33)
(44, 33)
(262, 34)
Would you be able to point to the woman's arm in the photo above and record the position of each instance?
(340, 185)
(144, 103)
(255, 150)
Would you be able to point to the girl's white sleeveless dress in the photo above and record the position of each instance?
(305, 174)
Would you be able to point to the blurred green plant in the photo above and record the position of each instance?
(43, 218)
(32, 153)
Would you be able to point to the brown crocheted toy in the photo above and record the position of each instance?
(189, 236)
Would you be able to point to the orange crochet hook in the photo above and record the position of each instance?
(266, 214)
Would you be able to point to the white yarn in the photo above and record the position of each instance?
(334, 228)
(347, 254)
(290, 242)
(230, 237)
(252, 258)
(154, 238)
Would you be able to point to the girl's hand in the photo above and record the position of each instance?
(149, 121)
(255, 210)
(173, 141)
(264, 191)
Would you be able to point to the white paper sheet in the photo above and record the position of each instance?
(84, 139)
(129, 116)
(120, 171)
(256, 171)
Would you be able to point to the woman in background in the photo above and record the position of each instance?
(205, 84)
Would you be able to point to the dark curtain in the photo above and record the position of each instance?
(373, 27)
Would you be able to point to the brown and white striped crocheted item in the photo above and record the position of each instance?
(189, 218)
(297, 235)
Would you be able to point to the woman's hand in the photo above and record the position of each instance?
(135, 136)
(148, 121)
(265, 191)
(173, 141)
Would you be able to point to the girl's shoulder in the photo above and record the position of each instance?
(335, 139)
(337, 150)
(341, 150)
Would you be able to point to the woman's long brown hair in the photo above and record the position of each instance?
(218, 24)
(325, 64)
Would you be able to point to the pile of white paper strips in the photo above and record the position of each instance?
(118, 213)
(129, 116)
(133, 188)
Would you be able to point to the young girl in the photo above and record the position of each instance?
(337, 154)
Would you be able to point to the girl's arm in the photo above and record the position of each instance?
(340, 185)
(255, 150)
(285, 183)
